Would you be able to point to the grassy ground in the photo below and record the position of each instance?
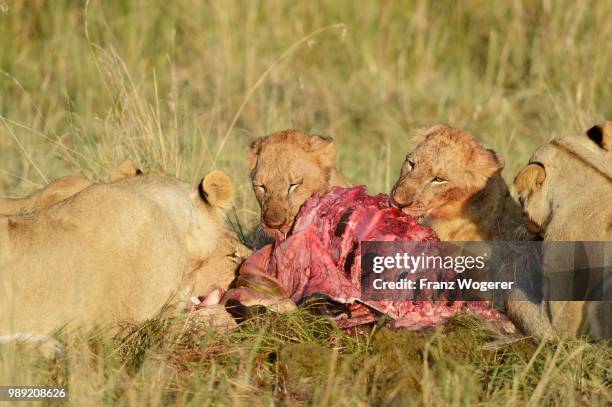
(299, 358)
(184, 86)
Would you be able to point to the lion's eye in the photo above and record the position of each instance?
(294, 185)
(438, 181)
(260, 188)
(409, 165)
(234, 257)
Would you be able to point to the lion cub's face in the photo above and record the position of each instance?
(445, 170)
(286, 169)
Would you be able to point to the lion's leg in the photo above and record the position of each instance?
(530, 317)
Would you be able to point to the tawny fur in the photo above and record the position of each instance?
(450, 179)
(55, 192)
(566, 191)
(116, 251)
(219, 269)
(286, 169)
(60, 189)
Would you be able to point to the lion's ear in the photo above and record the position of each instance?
(254, 149)
(601, 135)
(488, 162)
(530, 178)
(126, 169)
(217, 189)
(324, 148)
(497, 159)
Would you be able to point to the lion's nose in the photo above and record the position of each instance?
(276, 224)
(274, 221)
(398, 202)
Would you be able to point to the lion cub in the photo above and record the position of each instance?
(286, 169)
(455, 182)
(565, 192)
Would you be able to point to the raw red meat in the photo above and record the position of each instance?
(322, 256)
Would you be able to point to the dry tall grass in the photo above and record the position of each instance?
(183, 86)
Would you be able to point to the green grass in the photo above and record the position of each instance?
(184, 86)
(299, 358)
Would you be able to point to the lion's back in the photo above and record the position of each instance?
(87, 255)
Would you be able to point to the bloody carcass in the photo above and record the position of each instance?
(322, 257)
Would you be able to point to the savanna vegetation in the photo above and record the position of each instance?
(184, 86)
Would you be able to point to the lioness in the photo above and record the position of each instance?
(111, 252)
(455, 182)
(60, 189)
(286, 169)
(565, 192)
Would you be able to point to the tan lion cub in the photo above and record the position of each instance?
(455, 182)
(286, 169)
